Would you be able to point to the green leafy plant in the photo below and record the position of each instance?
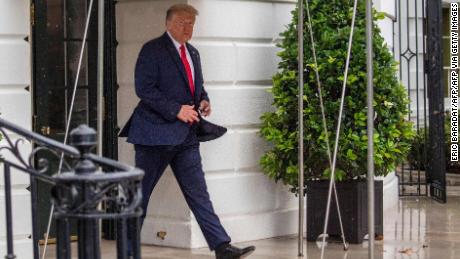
(331, 22)
(417, 156)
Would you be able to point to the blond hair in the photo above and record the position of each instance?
(181, 8)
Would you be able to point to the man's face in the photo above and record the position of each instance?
(180, 25)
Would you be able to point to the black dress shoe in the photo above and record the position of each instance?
(231, 252)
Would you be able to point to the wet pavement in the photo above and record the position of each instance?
(416, 228)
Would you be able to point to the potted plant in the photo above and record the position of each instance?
(331, 22)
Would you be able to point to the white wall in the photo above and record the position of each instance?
(236, 40)
(15, 106)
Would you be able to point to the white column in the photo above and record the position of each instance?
(15, 106)
(390, 182)
(236, 40)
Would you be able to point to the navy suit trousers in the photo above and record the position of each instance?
(185, 161)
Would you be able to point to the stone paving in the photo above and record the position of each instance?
(416, 228)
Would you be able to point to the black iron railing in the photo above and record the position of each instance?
(410, 50)
(77, 192)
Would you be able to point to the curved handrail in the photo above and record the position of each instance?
(68, 150)
(77, 192)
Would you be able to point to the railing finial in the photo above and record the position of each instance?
(83, 138)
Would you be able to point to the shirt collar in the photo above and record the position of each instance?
(175, 42)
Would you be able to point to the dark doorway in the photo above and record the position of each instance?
(57, 29)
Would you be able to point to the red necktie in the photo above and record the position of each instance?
(188, 70)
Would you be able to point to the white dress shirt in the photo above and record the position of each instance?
(189, 58)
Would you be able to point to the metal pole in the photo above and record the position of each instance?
(9, 215)
(100, 87)
(370, 130)
(84, 139)
(337, 134)
(63, 248)
(100, 76)
(301, 168)
(345, 246)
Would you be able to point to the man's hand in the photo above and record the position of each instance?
(188, 114)
(205, 108)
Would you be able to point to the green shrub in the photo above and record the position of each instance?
(417, 156)
(331, 22)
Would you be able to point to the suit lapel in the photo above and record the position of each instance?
(194, 56)
(175, 56)
(196, 67)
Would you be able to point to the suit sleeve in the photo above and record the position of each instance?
(146, 77)
(204, 95)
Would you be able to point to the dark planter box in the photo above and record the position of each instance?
(353, 206)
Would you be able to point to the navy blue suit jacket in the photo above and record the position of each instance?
(162, 86)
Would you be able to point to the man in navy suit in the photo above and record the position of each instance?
(169, 83)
